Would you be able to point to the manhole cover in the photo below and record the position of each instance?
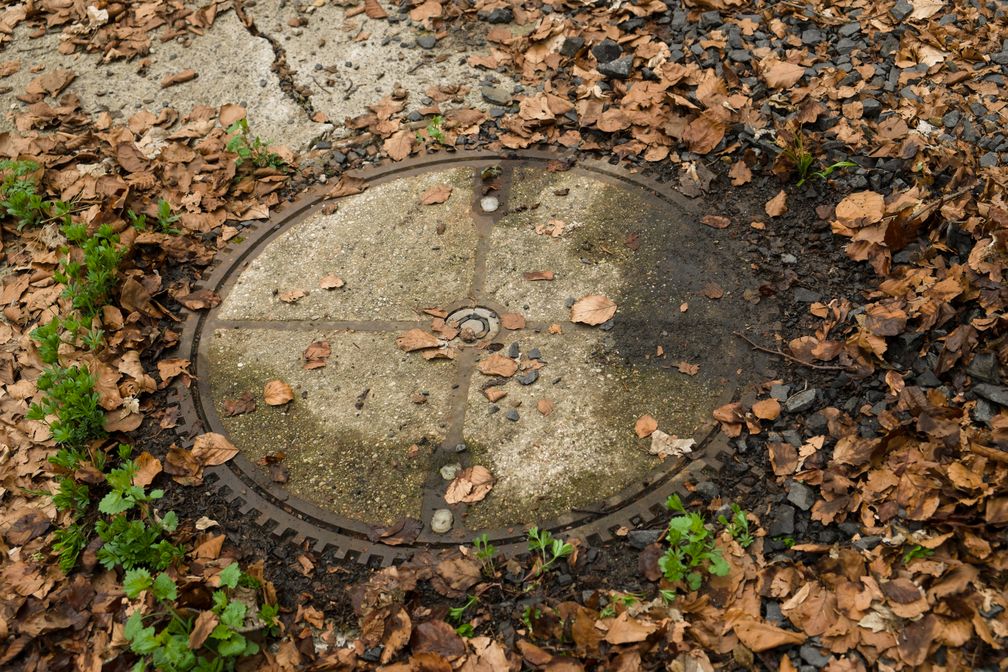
(507, 382)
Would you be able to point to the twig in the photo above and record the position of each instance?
(989, 453)
(792, 358)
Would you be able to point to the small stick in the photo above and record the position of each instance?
(820, 367)
(990, 453)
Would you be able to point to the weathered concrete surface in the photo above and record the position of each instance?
(585, 449)
(668, 353)
(233, 65)
(395, 255)
(344, 450)
(349, 63)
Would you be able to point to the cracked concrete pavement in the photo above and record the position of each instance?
(299, 72)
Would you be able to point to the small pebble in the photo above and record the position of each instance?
(512, 415)
(441, 521)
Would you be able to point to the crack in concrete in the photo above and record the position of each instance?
(290, 88)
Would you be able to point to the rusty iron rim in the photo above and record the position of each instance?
(285, 516)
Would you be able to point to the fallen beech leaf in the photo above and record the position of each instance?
(777, 205)
(317, 355)
(767, 409)
(277, 393)
(347, 186)
(512, 321)
(740, 174)
(781, 74)
(148, 467)
(331, 282)
(716, 221)
(687, 368)
(627, 630)
(179, 78)
(494, 394)
(471, 485)
(437, 194)
(246, 403)
(593, 309)
(374, 10)
(498, 365)
(712, 290)
(204, 625)
(645, 425)
(545, 406)
(417, 339)
(399, 145)
(860, 209)
(210, 548)
(760, 636)
(665, 445)
(201, 299)
(211, 449)
(291, 296)
(538, 275)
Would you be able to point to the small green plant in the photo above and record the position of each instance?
(530, 614)
(133, 542)
(916, 552)
(435, 132)
(166, 218)
(19, 197)
(691, 553)
(738, 526)
(550, 549)
(69, 395)
(253, 150)
(457, 614)
(162, 638)
(485, 553)
(788, 541)
(90, 279)
(625, 599)
(804, 162)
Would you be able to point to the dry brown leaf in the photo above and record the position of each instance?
(317, 355)
(512, 321)
(593, 309)
(687, 368)
(777, 205)
(331, 282)
(179, 78)
(498, 365)
(399, 145)
(204, 625)
(347, 186)
(760, 636)
(767, 409)
(860, 209)
(716, 221)
(471, 485)
(148, 467)
(210, 548)
(494, 394)
(645, 425)
(374, 10)
(211, 449)
(292, 295)
(538, 275)
(439, 193)
(417, 339)
(781, 74)
(625, 629)
(713, 291)
(277, 393)
(740, 174)
(545, 406)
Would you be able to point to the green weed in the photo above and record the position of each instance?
(691, 553)
(19, 197)
(166, 218)
(550, 549)
(90, 279)
(161, 638)
(434, 131)
(916, 552)
(804, 161)
(738, 526)
(69, 395)
(253, 150)
(485, 553)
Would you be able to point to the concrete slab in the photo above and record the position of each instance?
(349, 63)
(233, 65)
(585, 449)
(395, 255)
(363, 455)
(668, 352)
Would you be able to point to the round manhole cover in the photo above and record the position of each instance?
(423, 334)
